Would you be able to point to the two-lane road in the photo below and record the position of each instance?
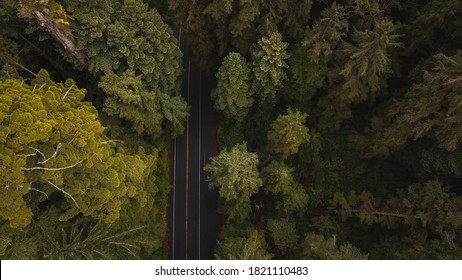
(194, 223)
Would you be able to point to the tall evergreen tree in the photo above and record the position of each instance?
(233, 96)
(287, 133)
(269, 63)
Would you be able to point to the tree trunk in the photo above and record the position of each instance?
(67, 42)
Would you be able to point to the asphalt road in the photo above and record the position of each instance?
(194, 221)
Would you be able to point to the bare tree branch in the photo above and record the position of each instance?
(379, 213)
(39, 191)
(25, 69)
(64, 192)
(50, 169)
(52, 156)
(67, 92)
(36, 151)
(110, 141)
(41, 86)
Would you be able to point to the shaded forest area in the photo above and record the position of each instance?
(340, 126)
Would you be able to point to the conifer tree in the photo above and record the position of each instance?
(233, 96)
(128, 41)
(269, 63)
(234, 172)
(279, 181)
(287, 133)
(284, 234)
(429, 110)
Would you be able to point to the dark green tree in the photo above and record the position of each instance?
(430, 109)
(128, 41)
(283, 234)
(279, 181)
(316, 247)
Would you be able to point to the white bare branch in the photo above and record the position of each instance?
(39, 191)
(29, 155)
(50, 169)
(64, 192)
(52, 156)
(25, 69)
(38, 151)
(111, 141)
(41, 86)
(67, 92)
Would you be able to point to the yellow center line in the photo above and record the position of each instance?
(187, 164)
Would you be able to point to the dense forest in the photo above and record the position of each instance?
(339, 132)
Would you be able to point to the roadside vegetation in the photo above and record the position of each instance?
(340, 126)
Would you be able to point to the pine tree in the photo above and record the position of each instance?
(269, 63)
(326, 33)
(234, 172)
(287, 133)
(368, 60)
(429, 110)
(233, 96)
(127, 41)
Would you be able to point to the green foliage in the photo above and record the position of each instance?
(229, 135)
(239, 22)
(429, 205)
(252, 246)
(368, 60)
(87, 241)
(278, 180)
(52, 11)
(129, 99)
(429, 110)
(52, 143)
(247, 12)
(376, 77)
(283, 234)
(326, 33)
(234, 172)
(233, 96)
(269, 61)
(127, 41)
(316, 247)
(287, 133)
(435, 24)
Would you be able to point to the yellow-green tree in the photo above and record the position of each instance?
(53, 149)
